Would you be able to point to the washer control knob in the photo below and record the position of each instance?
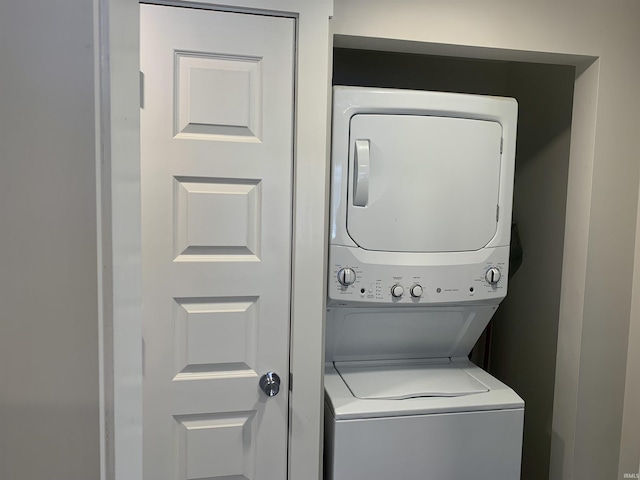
(346, 276)
(416, 291)
(397, 291)
(493, 276)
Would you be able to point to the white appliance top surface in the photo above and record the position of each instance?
(439, 378)
(343, 405)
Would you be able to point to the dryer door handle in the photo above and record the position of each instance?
(361, 173)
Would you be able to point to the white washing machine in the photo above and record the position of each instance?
(421, 195)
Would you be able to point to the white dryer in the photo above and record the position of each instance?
(421, 195)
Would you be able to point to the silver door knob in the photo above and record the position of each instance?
(270, 384)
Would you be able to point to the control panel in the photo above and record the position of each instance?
(352, 280)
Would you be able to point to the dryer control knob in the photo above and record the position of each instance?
(397, 291)
(493, 276)
(346, 276)
(416, 291)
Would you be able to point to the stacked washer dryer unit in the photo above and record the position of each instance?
(422, 186)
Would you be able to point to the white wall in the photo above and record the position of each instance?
(49, 420)
(593, 335)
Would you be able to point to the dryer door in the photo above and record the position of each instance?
(423, 183)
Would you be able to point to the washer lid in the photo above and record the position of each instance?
(401, 380)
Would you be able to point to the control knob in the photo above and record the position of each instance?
(397, 291)
(346, 276)
(416, 291)
(493, 276)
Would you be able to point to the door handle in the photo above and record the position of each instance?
(361, 160)
(270, 384)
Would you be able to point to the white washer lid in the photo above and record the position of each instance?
(401, 380)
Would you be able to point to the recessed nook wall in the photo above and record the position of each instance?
(524, 332)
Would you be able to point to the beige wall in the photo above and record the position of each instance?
(630, 445)
(49, 420)
(593, 333)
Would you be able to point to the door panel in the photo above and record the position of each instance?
(216, 147)
(431, 183)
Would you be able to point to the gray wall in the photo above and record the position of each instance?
(524, 330)
(49, 420)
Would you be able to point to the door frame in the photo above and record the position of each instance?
(600, 271)
(117, 54)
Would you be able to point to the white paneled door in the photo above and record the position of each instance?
(217, 139)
